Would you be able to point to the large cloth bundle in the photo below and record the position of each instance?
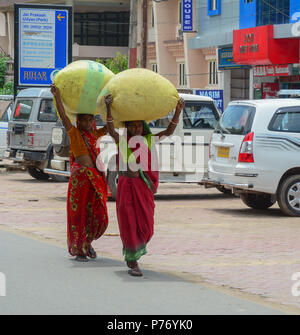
(138, 94)
(80, 84)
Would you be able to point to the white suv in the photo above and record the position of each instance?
(255, 151)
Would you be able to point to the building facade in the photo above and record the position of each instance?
(168, 51)
(257, 42)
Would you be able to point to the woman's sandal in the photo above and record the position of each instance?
(92, 253)
(81, 258)
(134, 269)
(132, 264)
(135, 272)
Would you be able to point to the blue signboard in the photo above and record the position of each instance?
(43, 44)
(187, 15)
(216, 95)
(226, 59)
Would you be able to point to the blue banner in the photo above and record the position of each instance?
(225, 56)
(216, 95)
(187, 15)
(43, 45)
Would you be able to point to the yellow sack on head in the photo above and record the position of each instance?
(138, 94)
(80, 84)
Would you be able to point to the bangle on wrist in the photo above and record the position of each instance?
(174, 122)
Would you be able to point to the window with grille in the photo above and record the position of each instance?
(272, 12)
(102, 29)
(154, 67)
(182, 75)
(213, 7)
(152, 17)
(212, 73)
(180, 12)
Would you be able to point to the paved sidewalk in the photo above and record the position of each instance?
(200, 234)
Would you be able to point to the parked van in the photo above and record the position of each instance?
(191, 139)
(6, 106)
(30, 129)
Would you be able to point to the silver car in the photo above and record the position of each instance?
(29, 131)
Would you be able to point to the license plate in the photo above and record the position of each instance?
(7, 154)
(19, 155)
(68, 166)
(223, 152)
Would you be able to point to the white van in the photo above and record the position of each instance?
(6, 106)
(183, 157)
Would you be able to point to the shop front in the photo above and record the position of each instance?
(274, 61)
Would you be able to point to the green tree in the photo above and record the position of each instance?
(116, 64)
(5, 88)
(3, 69)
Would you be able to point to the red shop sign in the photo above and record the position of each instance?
(256, 46)
(271, 70)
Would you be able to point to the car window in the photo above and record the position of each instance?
(99, 121)
(163, 122)
(236, 120)
(200, 115)
(23, 110)
(47, 112)
(286, 121)
(4, 117)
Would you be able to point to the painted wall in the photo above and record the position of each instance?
(215, 30)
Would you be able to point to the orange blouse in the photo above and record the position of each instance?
(77, 144)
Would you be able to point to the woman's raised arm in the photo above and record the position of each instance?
(173, 124)
(109, 119)
(60, 108)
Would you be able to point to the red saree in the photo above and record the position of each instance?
(135, 206)
(86, 203)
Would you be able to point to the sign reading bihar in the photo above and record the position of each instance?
(43, 43)
(187, 15)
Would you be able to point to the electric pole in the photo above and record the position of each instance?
(133, 33)
(144, 34)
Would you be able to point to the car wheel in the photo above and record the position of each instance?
(257, 201)
(112, 180)
(224, 190)
(37, 173)
(288, 196)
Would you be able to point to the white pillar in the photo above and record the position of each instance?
(226, 84)
(10, 35)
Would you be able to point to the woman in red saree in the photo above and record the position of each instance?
(138, 181)
(87, 192)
